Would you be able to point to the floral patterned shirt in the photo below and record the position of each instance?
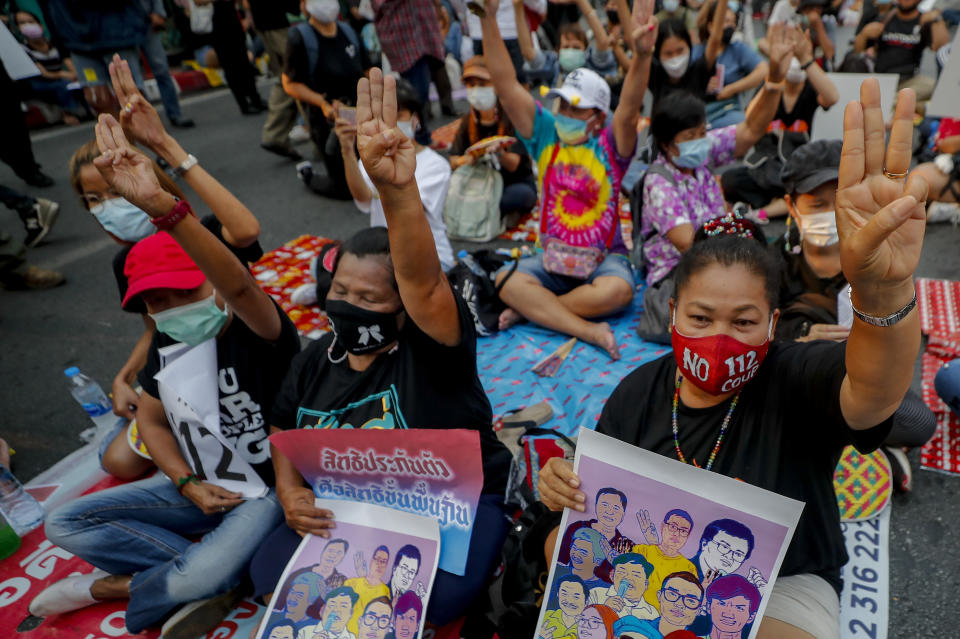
(693, 199)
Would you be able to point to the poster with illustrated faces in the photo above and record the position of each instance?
(662, 547)
(370, 579)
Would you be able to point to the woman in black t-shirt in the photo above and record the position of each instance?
(791, 413)
(402, 355)
(232, 223)
(672, 68)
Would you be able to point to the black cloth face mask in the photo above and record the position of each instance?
(360, 330)
(728, 35)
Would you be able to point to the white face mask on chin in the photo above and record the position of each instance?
(820, 229)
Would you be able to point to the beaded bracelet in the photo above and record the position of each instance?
(188, 479)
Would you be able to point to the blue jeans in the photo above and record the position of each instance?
(156, 57)
(145, 529)
(519, 196)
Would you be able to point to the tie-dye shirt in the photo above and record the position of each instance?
(693, 199)
(582, 191)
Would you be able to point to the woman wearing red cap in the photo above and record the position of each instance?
(204, 422)
(778, 415)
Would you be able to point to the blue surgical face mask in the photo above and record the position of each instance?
(192, 323)
(693, 153)
(733, 5)
(570, 130)
(670, 6)
(123, 220)
(571, 58)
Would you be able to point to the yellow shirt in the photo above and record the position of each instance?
(367, 594)
(662, 566)
(554, 627)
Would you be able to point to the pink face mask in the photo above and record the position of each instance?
(31, 30)
(717, 364)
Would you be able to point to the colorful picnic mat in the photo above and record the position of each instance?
(942, 452)
(280, 271)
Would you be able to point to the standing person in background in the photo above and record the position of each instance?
(324, 61)
(38, 216)
(156, 57)
(581, 155)
(901, 39)
(510, 24)
(743, 68)
(409, 32)
(270, 21)
(57, 73)
(16, 149)
(93, 32)
(230, 43)
(676, 9)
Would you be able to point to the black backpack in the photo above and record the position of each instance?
(517, 592)
(636, 212)
(479, 292)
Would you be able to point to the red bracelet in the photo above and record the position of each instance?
(180, 210)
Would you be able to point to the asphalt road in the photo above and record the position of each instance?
(80, 324)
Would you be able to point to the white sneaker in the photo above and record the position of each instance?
(66, 595)
(305, 294)
(943, 212)
(299, 134)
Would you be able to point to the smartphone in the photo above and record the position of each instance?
(719, 76)
(348, 113)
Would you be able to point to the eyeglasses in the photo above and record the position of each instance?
(677, 530)
(672, 595)
(406, 573)
(380, 561)
(591, 623)
(727, 551)
(371, 619)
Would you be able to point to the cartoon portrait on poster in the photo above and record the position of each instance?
(662, 547)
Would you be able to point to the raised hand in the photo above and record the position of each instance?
(643, 28)
(137, 116)
(359, 564)
(387, 154)
(802, 46)
(781, 38)
(128, 172)
(880, 211)
(647, 527)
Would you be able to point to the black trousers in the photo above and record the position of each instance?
(15, 148)
(230, 43)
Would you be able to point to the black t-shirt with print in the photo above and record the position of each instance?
(901, 46)
(250, 372)
(786, 435)
(246, 255)
(340, 65)
(805, 297)
(803, 109)
(694, 81)
(420, 384)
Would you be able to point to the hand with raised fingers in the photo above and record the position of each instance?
(128, 172)
(643, 28)
(387, 154)
(139, 119)
(781, 38)
(880, 209)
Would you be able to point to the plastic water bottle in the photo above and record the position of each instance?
(465, 257)
(9, 539)
(94, 401)
(21, 510)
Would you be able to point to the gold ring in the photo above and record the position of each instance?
(128, 107)
(895, 176)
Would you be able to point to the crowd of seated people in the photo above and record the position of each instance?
(856, 221)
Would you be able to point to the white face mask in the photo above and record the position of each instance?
(676, 66)
(407, 128)
(795, 74)
(482, 98)
(820, 229)
(326, 11)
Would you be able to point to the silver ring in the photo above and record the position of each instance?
(223, 509)
(894, 176)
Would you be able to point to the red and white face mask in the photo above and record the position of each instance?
(717, 364)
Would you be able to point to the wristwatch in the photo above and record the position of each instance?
(186, 165)
(887, 320)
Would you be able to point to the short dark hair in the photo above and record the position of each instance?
(407, 97)
(373, 241)
(409, 550)
(573, 29)
(573, 579)
(731, 527)
(728, 250)
(675, 112)
(679, 512)
(406, 602)
(344, 590)
(338, 540)
(380, 599)
(634, 558)
(282, 624)
(686, 576)
(730, 586)
(610, 491)
(671, 27)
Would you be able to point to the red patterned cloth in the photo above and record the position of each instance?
(942, 452)
(939, 303)
(280, 271)
(408, 30)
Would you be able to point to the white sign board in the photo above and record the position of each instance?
(15, 59)
(828, 125)
(945, 102)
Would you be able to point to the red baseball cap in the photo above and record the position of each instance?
(158, 261)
